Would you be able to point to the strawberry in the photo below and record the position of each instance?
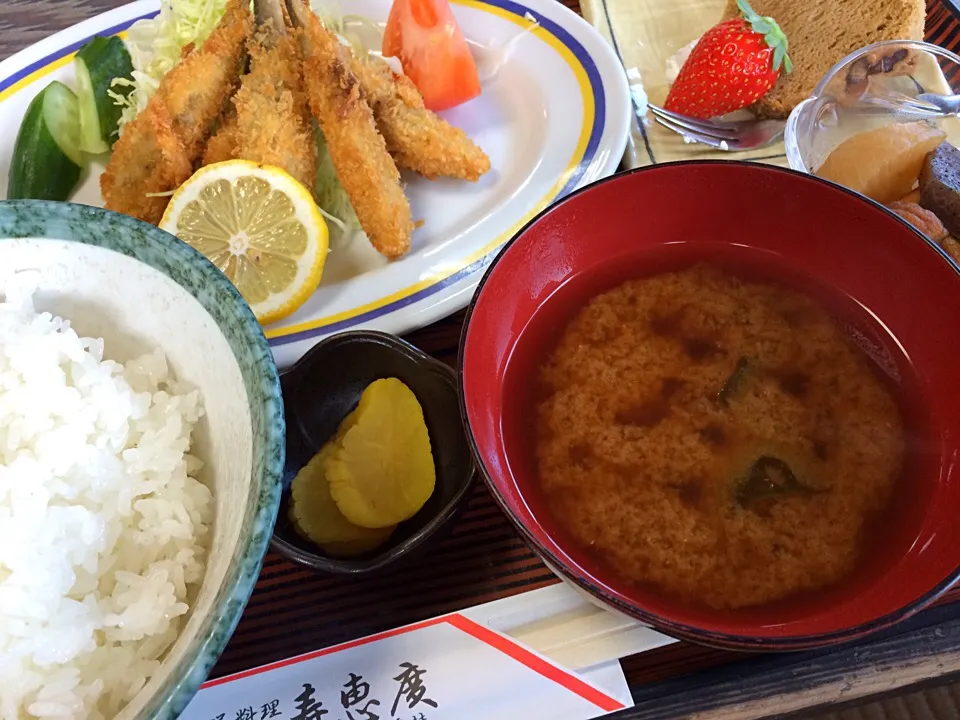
(733, 65)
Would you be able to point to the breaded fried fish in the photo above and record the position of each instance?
(148, 158)
(359, 153)
(271, 123)
(158, 149)
(417, 138)
(196, 90)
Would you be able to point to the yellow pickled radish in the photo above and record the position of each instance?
(315, 515)
(381, 471)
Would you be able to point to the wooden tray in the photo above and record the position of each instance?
(483, 559)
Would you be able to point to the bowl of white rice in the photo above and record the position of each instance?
(141, 455)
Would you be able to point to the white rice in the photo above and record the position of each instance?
(103, 525)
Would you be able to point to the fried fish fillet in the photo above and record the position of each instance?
(158, 149)
(359, 153)
(148, 158)
(417, 138)
(196, 90)
(223, 143)
(271, 123)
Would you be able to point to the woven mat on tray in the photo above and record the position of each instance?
(645, 34)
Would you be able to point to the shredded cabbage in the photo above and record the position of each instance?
(331, 197)
(363, 35)
(329, 13)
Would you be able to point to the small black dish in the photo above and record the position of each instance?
(323, 387)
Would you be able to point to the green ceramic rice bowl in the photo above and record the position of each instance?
(139, 289)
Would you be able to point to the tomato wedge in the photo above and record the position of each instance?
(425, 37)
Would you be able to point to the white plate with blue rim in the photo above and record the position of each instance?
(553, 116)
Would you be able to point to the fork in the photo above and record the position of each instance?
(729, 135)
(924, 104)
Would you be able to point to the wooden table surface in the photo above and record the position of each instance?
(482, 559)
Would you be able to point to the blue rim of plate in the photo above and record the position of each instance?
(576, 168)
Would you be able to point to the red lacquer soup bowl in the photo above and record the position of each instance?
(895, 292)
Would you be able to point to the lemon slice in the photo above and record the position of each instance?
(259, 226)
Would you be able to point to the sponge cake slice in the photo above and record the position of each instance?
(822, 32)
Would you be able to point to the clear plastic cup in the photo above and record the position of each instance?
(861, 92)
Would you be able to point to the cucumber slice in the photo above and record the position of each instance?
(62, 117)
(97, 65)
(46, 156)
(91, 137)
